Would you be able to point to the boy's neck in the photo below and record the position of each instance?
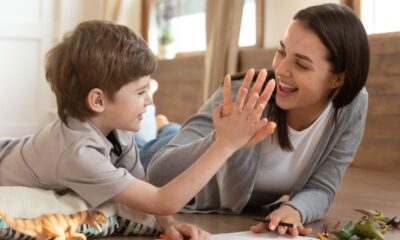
(98, 123)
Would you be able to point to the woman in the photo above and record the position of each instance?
(320, 109)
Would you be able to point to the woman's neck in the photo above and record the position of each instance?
(301, 118)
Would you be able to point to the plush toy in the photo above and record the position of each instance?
(55, 225)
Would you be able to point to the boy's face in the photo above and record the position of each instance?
(128, 107)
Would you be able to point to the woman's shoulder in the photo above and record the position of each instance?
(362, 95)
(356, 108)
(360, 102)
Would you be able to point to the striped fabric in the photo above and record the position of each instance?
(116, 226)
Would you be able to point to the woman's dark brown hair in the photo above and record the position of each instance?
(96, 54)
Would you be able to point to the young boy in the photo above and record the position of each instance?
(100, 75)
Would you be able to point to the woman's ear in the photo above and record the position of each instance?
(96, 100)
(337, 80)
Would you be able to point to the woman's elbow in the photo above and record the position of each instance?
(157, 175)
(159, 171)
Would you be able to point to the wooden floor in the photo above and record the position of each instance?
(370, 189)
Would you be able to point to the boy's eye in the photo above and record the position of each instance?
(144, 91)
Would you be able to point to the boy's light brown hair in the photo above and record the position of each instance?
(96, 54)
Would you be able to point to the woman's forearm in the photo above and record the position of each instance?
(180, 190)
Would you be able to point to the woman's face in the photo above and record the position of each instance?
(304, 79)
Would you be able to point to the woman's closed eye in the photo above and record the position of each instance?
(281, 51)
(301, 65)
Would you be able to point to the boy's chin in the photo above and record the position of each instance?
(135, 128)
(132, 128)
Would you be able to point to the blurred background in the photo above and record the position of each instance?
(197, 42)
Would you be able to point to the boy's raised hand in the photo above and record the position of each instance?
(239, 123)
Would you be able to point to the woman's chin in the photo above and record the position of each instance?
(282, 104)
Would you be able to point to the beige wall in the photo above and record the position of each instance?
(26, 32)
(28, 29)
(74, 11)
(279, 14)
(71, 12)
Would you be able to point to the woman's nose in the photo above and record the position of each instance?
(283, 68)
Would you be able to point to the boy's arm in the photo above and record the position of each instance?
(232, 132)
(171, 197)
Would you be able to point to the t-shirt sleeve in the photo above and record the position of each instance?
(88, 171)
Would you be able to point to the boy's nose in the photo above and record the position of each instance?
(153, 88)
(149, 99)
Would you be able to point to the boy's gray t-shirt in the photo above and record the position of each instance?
(76, 156)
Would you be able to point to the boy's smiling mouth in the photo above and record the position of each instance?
(140, 116)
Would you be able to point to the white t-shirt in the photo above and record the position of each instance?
(279, 169)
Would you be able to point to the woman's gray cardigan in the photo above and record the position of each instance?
(231, 188)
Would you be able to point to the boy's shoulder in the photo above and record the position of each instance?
(85, 134)
(76, 136)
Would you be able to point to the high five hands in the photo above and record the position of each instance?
(249, 105)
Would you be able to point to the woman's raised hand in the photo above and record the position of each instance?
(239, 123)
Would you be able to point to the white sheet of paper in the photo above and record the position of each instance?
(247, 235)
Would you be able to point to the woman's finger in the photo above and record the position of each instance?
(227, 89)
(258, 111)
(261, 134)
(243, 90)
(248, 78)
(294, 231)
(257, 86)
(217, 112)
(266, 94)
(250, 105)
(258, 228)
(304, 231)
(282, 230)
(240, 100)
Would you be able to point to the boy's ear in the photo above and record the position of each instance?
(337, 80)
(95, 100)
